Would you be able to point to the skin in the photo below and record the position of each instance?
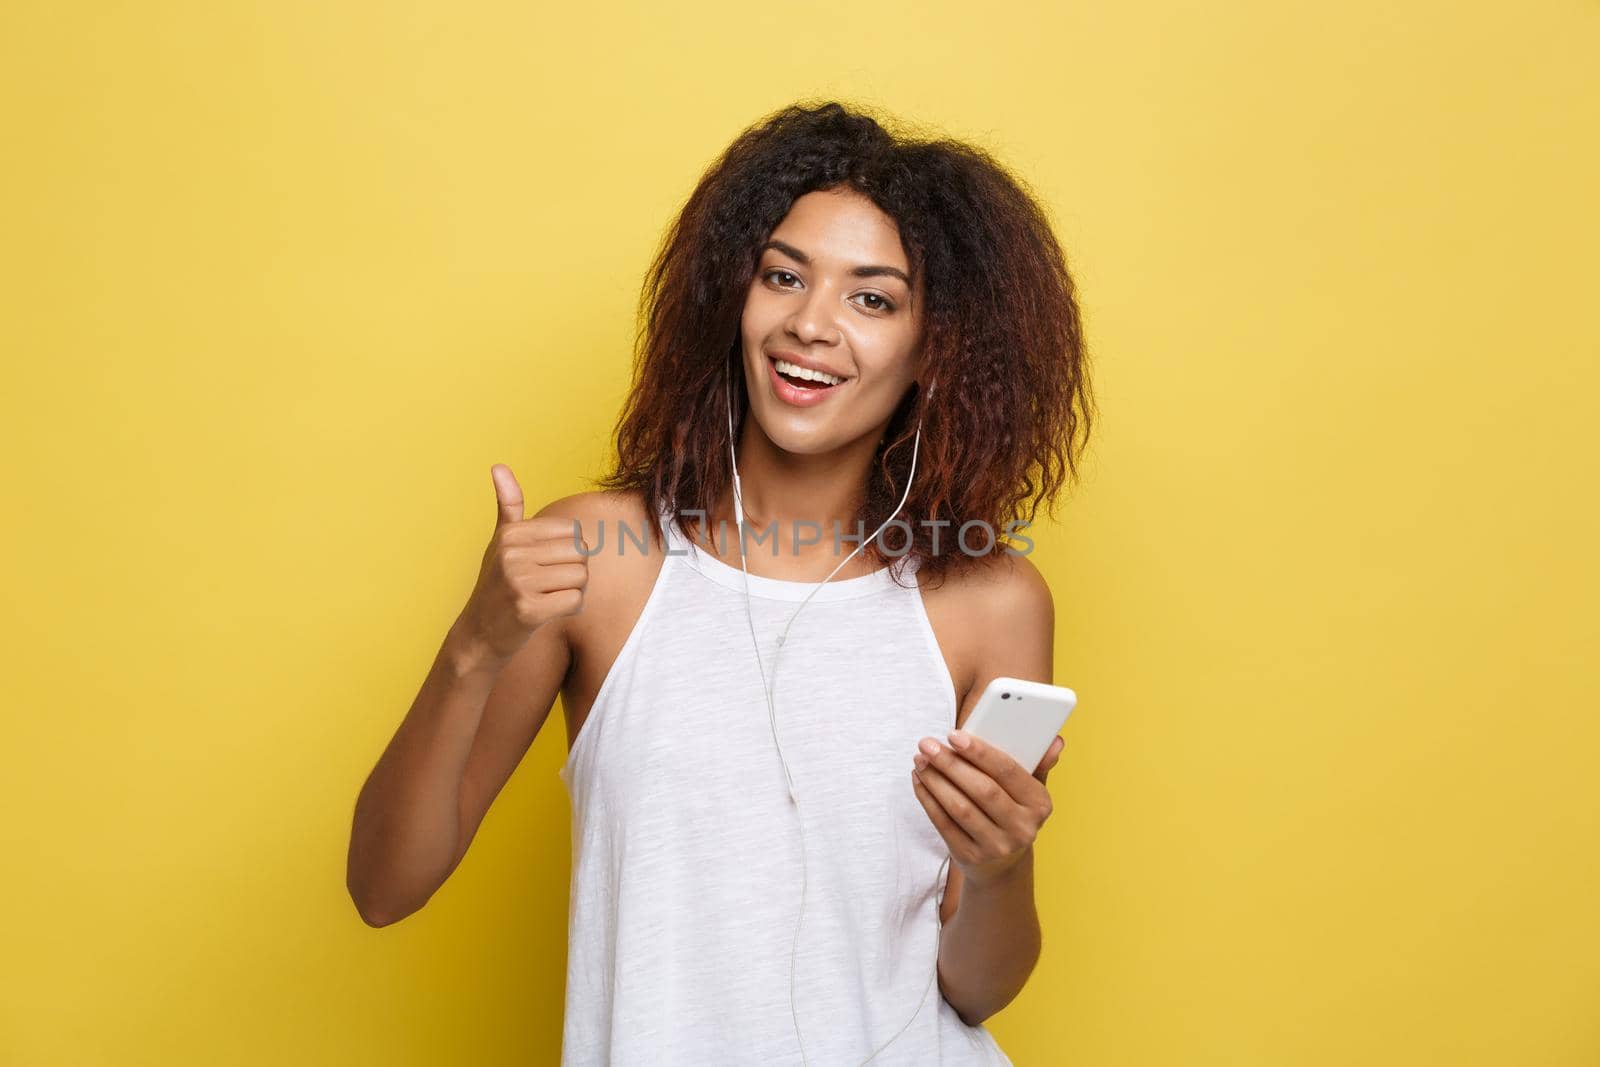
(997, 619)
(811, 463)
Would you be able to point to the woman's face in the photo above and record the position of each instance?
(830, 292)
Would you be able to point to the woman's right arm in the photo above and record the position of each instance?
(488, 692)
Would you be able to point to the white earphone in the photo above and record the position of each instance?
(772, 714)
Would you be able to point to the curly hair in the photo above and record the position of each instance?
(1007, 425)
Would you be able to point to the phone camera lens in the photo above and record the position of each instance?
(1005, 696)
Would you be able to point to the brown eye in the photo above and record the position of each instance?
(771, 273)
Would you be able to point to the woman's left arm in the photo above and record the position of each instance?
(989, 809)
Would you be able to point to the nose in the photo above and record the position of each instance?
(812, 321)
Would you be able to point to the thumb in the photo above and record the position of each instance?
(507, 493)
(1051, 758)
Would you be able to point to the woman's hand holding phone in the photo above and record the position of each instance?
(987, 806)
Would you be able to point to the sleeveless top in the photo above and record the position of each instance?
(686, 850)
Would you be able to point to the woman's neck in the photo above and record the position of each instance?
(792, 497)
(790, 487)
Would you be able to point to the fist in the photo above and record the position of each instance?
(533, 571)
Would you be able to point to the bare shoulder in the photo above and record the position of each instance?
(1003, 588)
(623, 561)
(600, 509)
(1007, 586)
(992, 618)
(615, 528)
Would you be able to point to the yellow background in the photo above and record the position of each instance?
(282, 280)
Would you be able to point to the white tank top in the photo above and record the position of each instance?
(686, 845)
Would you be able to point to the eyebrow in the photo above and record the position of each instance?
(858, 272)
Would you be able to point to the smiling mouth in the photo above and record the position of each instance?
(797, 381)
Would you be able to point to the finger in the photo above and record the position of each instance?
(983, 790)
(961, 808)
(507, 493)
(548, 577)
(556, 534)
(1018, 782)
(1051, 758)
(954, 836)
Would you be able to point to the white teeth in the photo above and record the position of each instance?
(795, 371)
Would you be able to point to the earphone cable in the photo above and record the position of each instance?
(769, 689)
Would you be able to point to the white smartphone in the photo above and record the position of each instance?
(1021, 718)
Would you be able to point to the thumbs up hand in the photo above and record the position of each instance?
(533, 571)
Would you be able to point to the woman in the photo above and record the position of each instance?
(843, 326)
